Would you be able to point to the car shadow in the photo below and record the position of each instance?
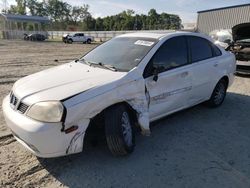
(197, 147)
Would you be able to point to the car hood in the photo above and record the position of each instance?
(241, 31)
(62, 82)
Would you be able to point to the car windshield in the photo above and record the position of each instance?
(121, 53)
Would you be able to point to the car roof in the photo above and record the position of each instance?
(154, 35)
(162, 35)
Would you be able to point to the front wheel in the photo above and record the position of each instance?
(218, 94)
(119, 131)
(70, 41)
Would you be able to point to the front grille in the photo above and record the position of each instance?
(22, 107)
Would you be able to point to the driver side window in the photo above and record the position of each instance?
(173, 53)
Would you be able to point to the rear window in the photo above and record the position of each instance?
(216, 50)
(200, 49)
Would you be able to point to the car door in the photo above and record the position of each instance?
(171, 90)
(76, 37)
(204, 58)
(81, 37)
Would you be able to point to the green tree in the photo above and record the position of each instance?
(20, 8)
(153, 19)
(99, 24)
(36, 8)
(58, 10)
(63, 15)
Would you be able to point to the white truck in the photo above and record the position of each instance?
(77, 37)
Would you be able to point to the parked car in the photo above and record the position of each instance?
(34, 37)
(222, 37)
(25, 36)
(240, 46)
(77, 37)
(132, 79)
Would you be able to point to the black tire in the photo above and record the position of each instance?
(218, 94)
(120, 141)
(89, 41)
(70, 41)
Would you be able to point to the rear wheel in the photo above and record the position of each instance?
(119, 130)
(89, 41)
(218, 94)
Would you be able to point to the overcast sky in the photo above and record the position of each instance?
(186, 9)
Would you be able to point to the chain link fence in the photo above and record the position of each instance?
(101, 35)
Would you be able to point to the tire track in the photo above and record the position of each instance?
(6, 140)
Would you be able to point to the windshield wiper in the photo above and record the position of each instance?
(100, 64)
(86, 62)
(110, 67)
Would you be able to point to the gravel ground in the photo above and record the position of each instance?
(22, 58)
(198, 147)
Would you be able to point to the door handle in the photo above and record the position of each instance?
(184, 74)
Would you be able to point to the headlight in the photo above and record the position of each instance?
(51, 111)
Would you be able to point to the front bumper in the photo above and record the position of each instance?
(43, 139)
(243, 67)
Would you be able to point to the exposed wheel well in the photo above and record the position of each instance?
(96, 128)
(225, 78)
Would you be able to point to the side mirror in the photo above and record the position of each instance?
(156, 71)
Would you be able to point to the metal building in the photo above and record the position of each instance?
(14, 26)
(222, 18)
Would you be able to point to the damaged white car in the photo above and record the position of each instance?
(132, 79)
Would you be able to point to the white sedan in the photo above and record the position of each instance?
(129, 81)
